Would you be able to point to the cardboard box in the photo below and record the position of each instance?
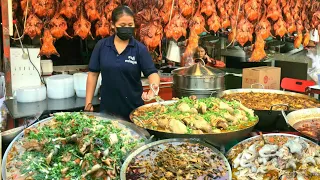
(269, 77)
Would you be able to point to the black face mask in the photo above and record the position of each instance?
(125, 33)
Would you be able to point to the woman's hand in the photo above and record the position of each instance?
(207, 57)
(147, 96)
(89, 107)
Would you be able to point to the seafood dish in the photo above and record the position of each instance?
(264, 101)
(309, 128)
(275, 156)
(71, 146)
(177, 160)
(190, 115)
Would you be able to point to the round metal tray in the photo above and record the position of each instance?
(133, 129)
(161, 144)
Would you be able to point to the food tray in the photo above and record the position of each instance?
(149, 152)
(135, 131)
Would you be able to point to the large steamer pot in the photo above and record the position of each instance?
(198, 79)
(176, 92)
(269, 120)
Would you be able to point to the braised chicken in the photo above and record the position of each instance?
(82, 27)
(58, 26)
(33, 26)
(44, 8)
(69, 8)
(47, 47)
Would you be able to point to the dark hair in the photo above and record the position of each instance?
(119, 11)
(200, 46)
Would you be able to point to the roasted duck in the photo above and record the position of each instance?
(263, 27)
(24, 4)
(214, 22)
(47, 47)
(151, 35)
(244, 32)
(197, 22)
(103, 26)
(69, 8)
(208, 7)
(58, 26)
(274, 11)
(91, 8)
(252, 9)
(33, 26)
(187, 7)
(82, 27)
(177, 27)
(109, 8)
(258, 52)
(280, 27)
(193, 42)
(44, 8)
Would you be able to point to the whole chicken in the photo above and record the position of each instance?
(69, 8)
(197, 22)
(177, 27)
(58, 26)
(214, 22)
(208, 7)
(91, 8)
(82, 27)
(186, 7)
(44, 8)
(103, 26)
(280, 27)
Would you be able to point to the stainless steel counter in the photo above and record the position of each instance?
(21, 110)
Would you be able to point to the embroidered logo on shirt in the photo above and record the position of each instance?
(131, 59)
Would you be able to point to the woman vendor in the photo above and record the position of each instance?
(201, 52)
(120, 59)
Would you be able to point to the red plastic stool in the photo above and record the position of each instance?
(296, 85)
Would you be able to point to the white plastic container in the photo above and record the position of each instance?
(60, 86)
(80, 82)
(31, 94)
(46, 67)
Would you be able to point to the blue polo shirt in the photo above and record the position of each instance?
(121, 87)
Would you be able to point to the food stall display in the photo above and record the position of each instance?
(174, 19)
(70, 146)
(176, 159)
(275, 156)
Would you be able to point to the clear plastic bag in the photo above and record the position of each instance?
(314, 71)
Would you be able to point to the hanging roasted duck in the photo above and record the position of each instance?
(103, 27)
(244, 32)
(258, 50)
(252, 9)
(197, 22)
(24, 4)
(192, 44)
(47, 47)
(177, 27)
(208, 7)
(280, 27)
(166, 10)
(214, 22)
(263, 27)
(274, 11)
(44, 8)
(69, 8)
(109, 8)
(33, 27)
(82, 27)
(90, 7)
(186, 7)
(58, 26)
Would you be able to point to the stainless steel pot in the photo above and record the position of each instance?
(176, 92)
(198, 77)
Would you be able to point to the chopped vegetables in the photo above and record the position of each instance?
(71, 146)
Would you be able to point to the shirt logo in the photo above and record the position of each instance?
(131, 59)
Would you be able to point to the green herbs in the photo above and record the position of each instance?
(82, 141)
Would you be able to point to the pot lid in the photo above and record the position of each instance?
(198, 70)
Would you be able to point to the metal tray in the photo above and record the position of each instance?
(133, 129)
(144, 150)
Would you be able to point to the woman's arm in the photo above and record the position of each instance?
(90, 88)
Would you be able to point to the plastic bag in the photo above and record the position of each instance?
(314, 71)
